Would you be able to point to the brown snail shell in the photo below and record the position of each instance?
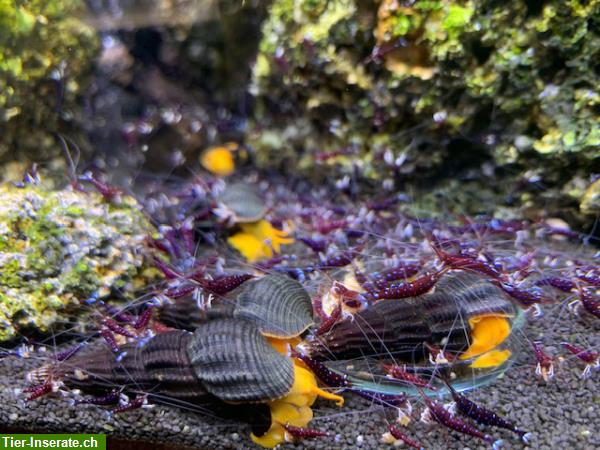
(235, 362)
(243, 201)
(160, 367)
(401, 327)
(278, 305)
(182, 313)
(472, 294)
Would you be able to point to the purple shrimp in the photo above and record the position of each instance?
(441, 415)
(144, 318)
(589, 303)
(324, 374)
(136, 403)
(66, 354)
(112, 398)
(562, 284)
(316, 245)
(526, 298)
(113, 326)
(225, 283)
(402, 271)
(483, 415)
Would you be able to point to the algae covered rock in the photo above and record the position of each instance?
(426, 91)
(45, 55)
(58, 248)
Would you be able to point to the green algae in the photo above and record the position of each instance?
(61, 247)
(402, 91)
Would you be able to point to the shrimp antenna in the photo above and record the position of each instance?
(67, 153)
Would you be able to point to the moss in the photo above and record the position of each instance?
(424, 93)
(53, 259)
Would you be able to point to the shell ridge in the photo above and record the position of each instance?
(236, 363)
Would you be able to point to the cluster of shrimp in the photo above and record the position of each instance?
(416, 254)
(330, 239)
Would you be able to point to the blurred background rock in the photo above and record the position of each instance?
(434, 98)
(438, 95)
(46, 56)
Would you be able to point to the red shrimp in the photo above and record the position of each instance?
(304, 433)
(414, 288)
(590, 357)
(39, 390)
(545, 364)
(330, 321)
(395, 431)
(399, 373)
(468, 263)
(441, 415)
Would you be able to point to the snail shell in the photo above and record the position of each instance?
(160, 367)
(235, 362)
(278, 305)
(182, 314)
(401, 327)
(461, 295)
(226, 357)
(243, 201)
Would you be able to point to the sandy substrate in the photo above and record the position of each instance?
(562, 414)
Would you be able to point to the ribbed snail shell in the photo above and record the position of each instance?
(160, 366)
(159, 369)
(235, 362)
(461, 295)
(278, 305)
(243, 200)
(182, 313)
(401, 327)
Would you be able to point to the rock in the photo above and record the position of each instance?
(58, 248)
(438, 96)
